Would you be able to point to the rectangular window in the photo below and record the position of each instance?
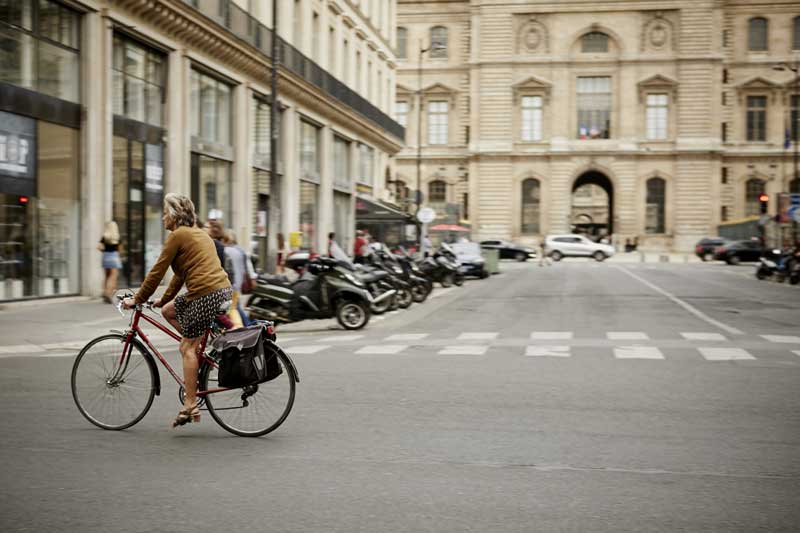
(657, 123)
(724, 75)
(795, 117)
(594, 107)
(39, 47)
(756, 118)
(724, 98)
(261, 133)
(402, 43)
(139, 79)
(437, 122)
(309, 214)
(724, 214)
(401, 113)
(342, 177)
(211, 108)
(309, 150)
(724, 175)
(366, 165)
(531, 118)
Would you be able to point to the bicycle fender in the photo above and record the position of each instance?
(277, 349)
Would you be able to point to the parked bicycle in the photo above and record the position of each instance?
(115, 379)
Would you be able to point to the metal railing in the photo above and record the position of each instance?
(245, 27)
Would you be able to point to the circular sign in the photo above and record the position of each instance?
(426, 215)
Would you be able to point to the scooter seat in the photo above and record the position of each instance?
(281, 280)
(372, 277)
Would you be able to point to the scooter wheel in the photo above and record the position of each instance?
(419, 293)
(458, 280)
(404, 299)
(447, 281)
(352, 315)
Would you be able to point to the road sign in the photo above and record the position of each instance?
(794, 213)
(426, 215)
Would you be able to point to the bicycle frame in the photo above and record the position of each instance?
(135, 331)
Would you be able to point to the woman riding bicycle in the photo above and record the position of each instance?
(193, 257)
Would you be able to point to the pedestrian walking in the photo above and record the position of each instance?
(360, 247)
(544, 259)
(427, 246)
(240, 276)
(331, 243)
(110, 247)
(281, 256)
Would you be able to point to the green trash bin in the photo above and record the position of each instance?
(492, 258)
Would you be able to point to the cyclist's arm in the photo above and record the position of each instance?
(156, 273)
(174, 286)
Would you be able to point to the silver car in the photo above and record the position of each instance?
(558, 246)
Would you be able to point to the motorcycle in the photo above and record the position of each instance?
(779, 265)
(442, 268)
(421, 285)
(378, 282)
(324, 290)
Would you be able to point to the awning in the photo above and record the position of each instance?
(379, 211)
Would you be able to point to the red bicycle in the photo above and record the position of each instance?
(115, 379)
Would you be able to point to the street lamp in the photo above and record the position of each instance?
(794, 130)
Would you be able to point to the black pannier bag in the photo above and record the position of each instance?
(246, 357)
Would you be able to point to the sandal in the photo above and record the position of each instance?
(187, 415)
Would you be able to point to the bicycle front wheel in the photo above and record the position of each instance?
(254, 410)
(111, 389)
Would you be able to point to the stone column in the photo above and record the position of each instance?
(289, 183)
(325, 224)
(97, 177)
(177, 177)
(241, 219)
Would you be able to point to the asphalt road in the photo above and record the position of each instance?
(580, 397)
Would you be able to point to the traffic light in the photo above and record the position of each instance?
(763, 200)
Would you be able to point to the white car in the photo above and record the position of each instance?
(558, 246)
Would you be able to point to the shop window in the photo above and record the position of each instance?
(261, 130)
(594, 107)
(211, 188)
(753, 188)
(210, 108)
(39, 47)
(757, 33)
(655, 205)
(309, 150)
(529, 214)
(796, 33)
(139, 75)
(309, 215)
(794, 186)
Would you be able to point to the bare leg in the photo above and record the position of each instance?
(168, 312)
(112, 282)
(105, 282)
(190, 365)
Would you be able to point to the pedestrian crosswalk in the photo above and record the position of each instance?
(620, 345)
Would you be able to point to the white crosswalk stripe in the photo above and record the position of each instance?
(341, 338)
(309, 349)
(382, 349)
(627, 336)
(551, 335)
(464, 350)
(477, 336)
(725, 354)
(796, 352)
(407, 337)
(547, 351)
(699, 336)
(784, 339)
(637, 352)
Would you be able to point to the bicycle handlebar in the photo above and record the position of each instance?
(139, 307)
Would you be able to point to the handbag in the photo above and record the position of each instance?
(246, 357)
(247, 285)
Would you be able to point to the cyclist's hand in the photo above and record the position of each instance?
(128, 303)
(157, 303)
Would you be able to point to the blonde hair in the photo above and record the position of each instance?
(111, 232)
(216, 230)
(230, 237)
(180, 209)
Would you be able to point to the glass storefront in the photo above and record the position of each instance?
(343, 220)
(309, 213)
(39, 208)
(211, 188)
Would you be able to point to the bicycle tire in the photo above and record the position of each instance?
(111, 382)
(220, 404)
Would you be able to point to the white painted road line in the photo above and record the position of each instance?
(784, 339)
(382, 349)
(20, 348)
(407, 337)
(695, 336)
(340, 338)
(796, 352)
(627, 336)
(474, 349)
(547, 351)
(307, 349)
(690, 308)
(724, 354)
(551, 335)
(637, 352)
(477, 336)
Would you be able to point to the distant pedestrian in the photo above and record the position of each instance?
(544, 259)
(427, 246)
(360, 247)
(241, 273)
(110, 246)
(331, 243)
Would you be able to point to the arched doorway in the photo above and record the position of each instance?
(592, 205)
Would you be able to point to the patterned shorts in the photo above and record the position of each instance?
(195, 316)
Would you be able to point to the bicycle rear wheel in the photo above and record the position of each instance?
(113, 392)
(254, 410)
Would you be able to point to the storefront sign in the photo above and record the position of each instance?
(17, 154)
(295, 240)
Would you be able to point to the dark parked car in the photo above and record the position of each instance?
(705, 247)
(737, 251)
(509, 250)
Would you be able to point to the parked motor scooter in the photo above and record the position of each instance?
(441, 269)
(779, 265)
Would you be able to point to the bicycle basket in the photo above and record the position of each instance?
(245, 358)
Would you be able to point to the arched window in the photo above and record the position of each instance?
(438, 41)
(529, 215)
(794, 186)
(594, 42)
(437, 192)
(752, 190)
(656, 199)
(757, 34)
(402, 43)
(796, 34)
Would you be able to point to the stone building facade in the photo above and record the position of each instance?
(105, 105)
(670, 110)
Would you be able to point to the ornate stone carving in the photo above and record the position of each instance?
(658, 34)
(532, 37)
